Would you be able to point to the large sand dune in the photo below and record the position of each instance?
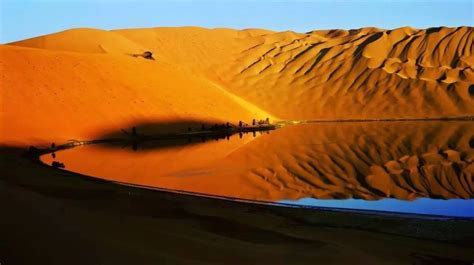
(56, 96)
(366, 73)
(330, 74)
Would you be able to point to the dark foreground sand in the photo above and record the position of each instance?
(56, 217)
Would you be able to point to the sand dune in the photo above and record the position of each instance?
(56, 96)
(366, 73)
(85, 40)
(329, 74)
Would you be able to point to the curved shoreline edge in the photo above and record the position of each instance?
(44, 203)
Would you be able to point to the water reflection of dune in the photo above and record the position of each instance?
(403, 160)
(363, 160)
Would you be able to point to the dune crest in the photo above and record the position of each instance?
(86, 40)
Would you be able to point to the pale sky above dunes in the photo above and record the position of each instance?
(24, 19)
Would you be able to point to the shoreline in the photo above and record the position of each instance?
(236, 130)
(423, 119)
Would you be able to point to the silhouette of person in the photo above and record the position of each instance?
(134, 131)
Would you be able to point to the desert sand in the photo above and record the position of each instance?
(361, 73)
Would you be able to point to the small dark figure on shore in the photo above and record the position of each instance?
(267, 120)
(53, 145)
(240, 123)
(134, 131)
(32, 150)
(253, 122)
(203, 127)
(57, 164)
(227, 125)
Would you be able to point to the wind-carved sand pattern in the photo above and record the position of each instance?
(364, 73)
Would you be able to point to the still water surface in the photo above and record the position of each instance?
(411, 167)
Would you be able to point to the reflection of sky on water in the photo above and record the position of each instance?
(453, 207)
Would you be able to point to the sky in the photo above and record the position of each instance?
(22, 19)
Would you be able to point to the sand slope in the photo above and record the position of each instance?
(55, 96)
(330, 74)
(365, 73)
(86, 40)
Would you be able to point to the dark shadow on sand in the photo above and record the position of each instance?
(147, 136)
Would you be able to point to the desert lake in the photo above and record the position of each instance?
(383, 166)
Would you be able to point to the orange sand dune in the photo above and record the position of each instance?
(55, 96)
(325, 160)
(329, 74)
(366, 73)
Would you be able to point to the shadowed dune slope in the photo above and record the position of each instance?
(53, 95)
